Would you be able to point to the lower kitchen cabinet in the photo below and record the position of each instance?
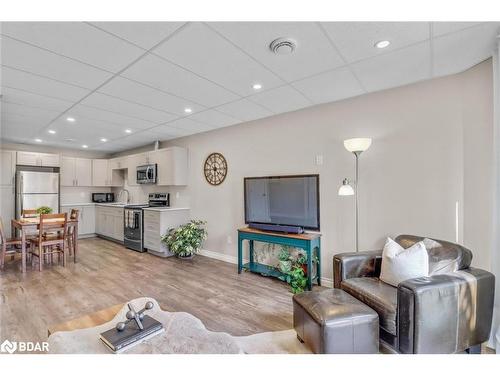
(7, 213)
(86, 218)
(109, 222)
(157, 222)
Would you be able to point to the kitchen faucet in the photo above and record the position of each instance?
(120, 195)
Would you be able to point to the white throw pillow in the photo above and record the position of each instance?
(400, 264)
(431, 244)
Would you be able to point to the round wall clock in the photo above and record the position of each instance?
(215, 169)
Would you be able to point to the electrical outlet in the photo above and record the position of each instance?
(229, 240)
(177, 195)
(319, 159)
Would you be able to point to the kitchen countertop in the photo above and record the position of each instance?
(165, 208)
(77, 204)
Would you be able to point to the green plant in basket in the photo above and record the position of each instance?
(43, 210)
(186, 240)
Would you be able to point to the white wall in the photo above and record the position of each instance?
(424, 145)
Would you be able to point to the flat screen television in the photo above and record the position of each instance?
(283, 200)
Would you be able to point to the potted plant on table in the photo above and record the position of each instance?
(43, 210)
(186, 240)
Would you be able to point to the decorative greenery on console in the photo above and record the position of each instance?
(44, 210)
(293, 269)
(186, 240)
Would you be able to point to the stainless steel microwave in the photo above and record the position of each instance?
(146, 174)
(103, 197)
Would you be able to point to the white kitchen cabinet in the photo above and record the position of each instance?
(86, 218)
(109, 222)
(8, 164)
(7, 207)
(157, 222)
(76, 172)
(172, 165)
(132, 162)
(38, 159)
(115, 171)
(100, 172)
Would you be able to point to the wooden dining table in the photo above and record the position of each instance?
(25, 224)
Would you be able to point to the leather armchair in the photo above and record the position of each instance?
(447, 312)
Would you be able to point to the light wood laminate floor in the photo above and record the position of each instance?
(107, 274)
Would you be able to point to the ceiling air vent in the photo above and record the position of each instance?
(283, 46)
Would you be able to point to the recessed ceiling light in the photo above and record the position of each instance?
(382, 44)
(38, 140)
(128, 131)
(52, 131)
(257, 86)
(70, 119)
(188, 110)
(85, 146)
(104, 139)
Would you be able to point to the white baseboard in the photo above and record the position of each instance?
(234, 260)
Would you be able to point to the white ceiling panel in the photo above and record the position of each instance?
(168, 77)
(400, 67)
(281, 99)
(39, 85)
(356, 40)
(16, 96)
(189, 125)
(35, 60)
(456, 52)
(244, 110)
(111, 117)
(163, 132)
(330, 86)
(312, 55)
(138, 93)
(203, 51)
(214, 118)
(42, 115)
(71, 39)
(441, 28)
(109, 103)
(86, 130)
(143, 34)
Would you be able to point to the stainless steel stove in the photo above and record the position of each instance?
(133, 220)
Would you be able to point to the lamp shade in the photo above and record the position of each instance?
(357, 144)
(346, 188)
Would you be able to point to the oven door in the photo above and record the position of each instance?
(132, 228)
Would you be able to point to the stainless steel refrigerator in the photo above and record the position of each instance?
(37, 188)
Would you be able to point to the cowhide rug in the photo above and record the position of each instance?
(184, 334)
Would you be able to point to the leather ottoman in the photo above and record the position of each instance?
(332, 321)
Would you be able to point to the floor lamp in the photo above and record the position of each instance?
(356, 146)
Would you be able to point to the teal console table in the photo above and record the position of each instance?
(308, 242)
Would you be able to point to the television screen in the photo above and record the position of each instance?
(283, 200)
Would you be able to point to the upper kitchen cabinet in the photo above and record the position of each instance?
(38, 159)
(76, 172)
(8, 163)
(107, 172)
(172, 165)
(133, 161)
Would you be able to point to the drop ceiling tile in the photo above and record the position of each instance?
(16, 96)
(109, 103)
(398, 68)
(441, 28)
(143, 34)
(111, 117)
(38, 114)
(87, 131)
(214, 118)
(330, 86)
(356, 40)
(71, 39)
(244, 110)
(188, 125)
(459, 51)
(203, 51)
(281, 99)
(138, 93)
(163, 132)
(39, 85)
(168, 77)
(35, 60)
(313, 54)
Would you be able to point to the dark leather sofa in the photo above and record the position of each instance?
(449, 311)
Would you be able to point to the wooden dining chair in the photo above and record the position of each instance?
(29, 213)
(9, 245)
(51, 239)
(71, 231)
